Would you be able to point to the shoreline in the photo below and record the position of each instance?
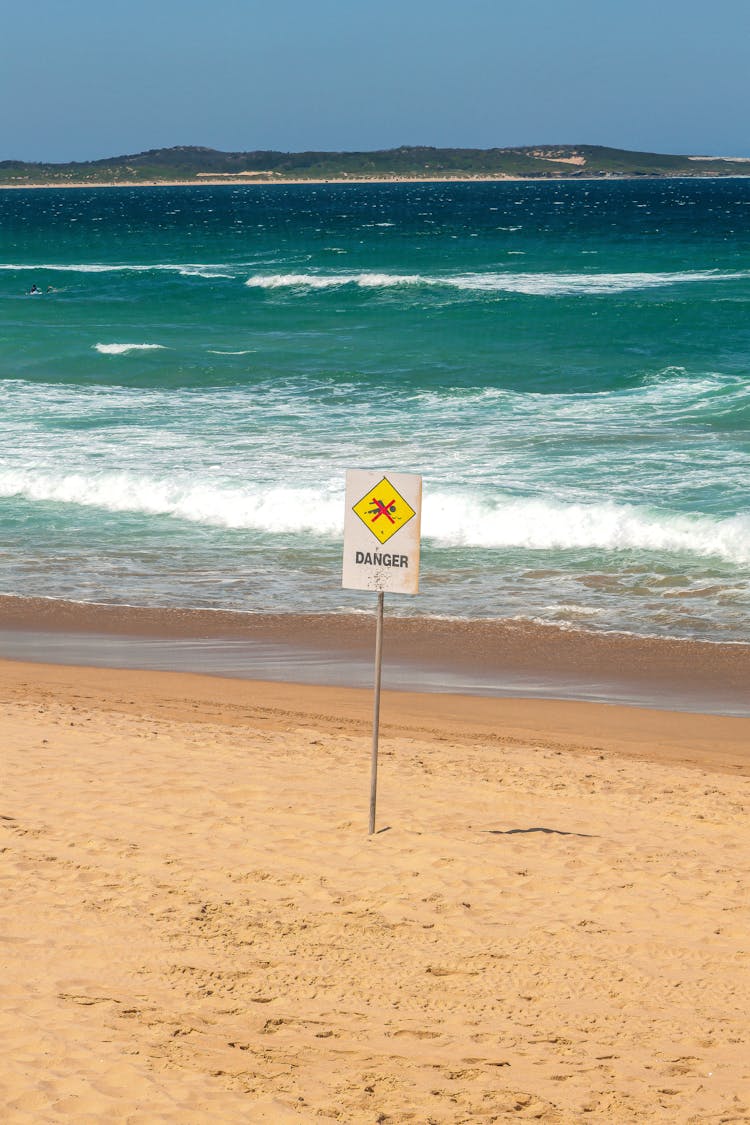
(255, 181)
(663, 737)
(486, 657)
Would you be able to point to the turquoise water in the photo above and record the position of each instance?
(567, 364)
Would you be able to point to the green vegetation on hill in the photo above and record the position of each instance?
(193, 164)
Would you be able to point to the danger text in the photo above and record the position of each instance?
(374, 558)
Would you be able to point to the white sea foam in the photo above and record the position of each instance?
(272, 510)
(333, 281)
(543, 525)
(184, 269)
(201, 271)
(89, 267)
(449, 519)
(531, 284)
(583, 284)
(123, 349)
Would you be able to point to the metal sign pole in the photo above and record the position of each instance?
(382, 518)
(376, 712)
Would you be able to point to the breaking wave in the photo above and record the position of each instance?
(502, 281)
(273, 510)
(123, 349)
(183, 269)
(335, 281)
(454, 520)
(449, 519)
(532, 284)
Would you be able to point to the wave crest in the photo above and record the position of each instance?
(183, 269)
(334, 281)
(533, 524)
(449, 519)
(123, 349)
(529, 284)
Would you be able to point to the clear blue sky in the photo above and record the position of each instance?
(81, 80)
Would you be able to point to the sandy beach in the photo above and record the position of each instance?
(221, 180)
(265, 179)
(550, 924)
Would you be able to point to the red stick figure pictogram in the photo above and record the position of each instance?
(382, 509)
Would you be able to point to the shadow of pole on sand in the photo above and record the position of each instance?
(548, 831)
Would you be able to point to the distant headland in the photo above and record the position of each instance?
(186, 164)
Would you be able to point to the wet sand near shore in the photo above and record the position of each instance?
(551, 922)
(477, 657)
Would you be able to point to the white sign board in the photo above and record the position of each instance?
(381, 531)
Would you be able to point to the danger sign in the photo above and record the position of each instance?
(382, 508)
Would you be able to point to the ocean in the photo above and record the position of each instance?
(566, 364)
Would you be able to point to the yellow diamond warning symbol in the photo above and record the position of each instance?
(383, 510)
